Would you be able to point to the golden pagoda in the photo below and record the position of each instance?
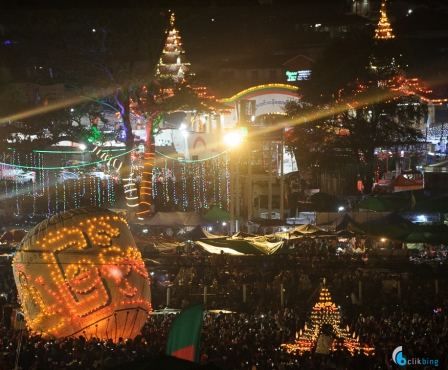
(383, 31)
(172, 63)
(326, 312)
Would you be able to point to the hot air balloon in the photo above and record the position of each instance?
(80, 273)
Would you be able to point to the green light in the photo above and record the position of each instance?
(66, 167)
(74, 151)
(192, 160)
(243, 131)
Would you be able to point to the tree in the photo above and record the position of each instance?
(105, 55)
(356, 109)
(181, 97)
(106, 63)
(12, 99)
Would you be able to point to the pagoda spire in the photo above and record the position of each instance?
(325, 312)
(172, 63)
(383, 30)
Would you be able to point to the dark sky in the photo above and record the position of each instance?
(212, 29)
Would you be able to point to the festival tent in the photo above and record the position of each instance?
(403, 232)
(432, 234)
(216, 214)
(346, 220)
(395, 232)
(305, 231)
(177, 219)
(13, 236)
(308, 229)
(153, 244)
(400, 183)
(376, 204)
(258, 245)
(273, 222)
(392, 218)
(197, 233)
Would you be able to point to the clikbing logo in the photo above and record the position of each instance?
(397, 356)
(400, 360)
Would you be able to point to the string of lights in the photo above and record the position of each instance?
(193, 160)
(104, 160)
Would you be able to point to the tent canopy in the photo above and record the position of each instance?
(14, 235)
(153, 244)
(216, 214)
(346, 220)
(273, 222)
(395, 232)
(177, 219)
(197, 233)
(406, 232)
(258, 245)
(400, 183)
(392, 218)
(308, 229)
(376, 204)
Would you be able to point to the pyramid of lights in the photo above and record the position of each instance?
(172, 64)
(326, 312)
(383, 31)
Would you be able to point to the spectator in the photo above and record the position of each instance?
(324, 342)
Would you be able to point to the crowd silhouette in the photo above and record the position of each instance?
(244, 328)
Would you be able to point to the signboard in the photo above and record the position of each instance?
(247, 109)
(298, 75)
(432, 217)
(269, 99)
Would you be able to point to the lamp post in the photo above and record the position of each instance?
(233, 140)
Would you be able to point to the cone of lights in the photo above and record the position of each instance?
(383, 31)
(326, 312)
(80, 273)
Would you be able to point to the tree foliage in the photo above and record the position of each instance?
(12, 99)
(357, 109)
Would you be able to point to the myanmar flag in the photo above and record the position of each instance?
(185, 334)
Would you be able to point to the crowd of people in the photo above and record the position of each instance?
(246, 330)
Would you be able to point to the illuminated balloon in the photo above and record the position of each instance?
(80, 273)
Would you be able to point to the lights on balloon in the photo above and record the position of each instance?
(71, 291)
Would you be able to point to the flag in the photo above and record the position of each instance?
(185, 334)
(412, 200)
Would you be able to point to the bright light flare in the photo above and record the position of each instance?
(115, 272)
(232, 139)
